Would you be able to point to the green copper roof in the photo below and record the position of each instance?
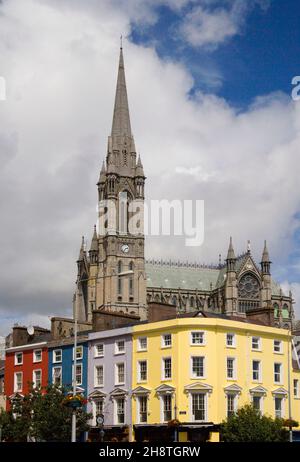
(166, 276)
(175, 277)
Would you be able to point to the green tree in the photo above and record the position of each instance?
(248, 425)
(42, 416)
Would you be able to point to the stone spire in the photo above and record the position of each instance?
(93, 252)
(265, 260)
(265, 255)
(121, 156)
(94, 242)
(81, 252)
(230, 254)
(121, 120)
(230, 260)
(102, 177)
(139, 171)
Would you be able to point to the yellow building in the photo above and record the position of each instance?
(200, 369)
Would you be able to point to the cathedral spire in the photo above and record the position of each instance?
(265, 260)
(93, 252)
(94, 242)
(265, 255)
(102, 177)
(230, 260)
(121, 120)
(81, 252)
(139, 171)
(230, 254)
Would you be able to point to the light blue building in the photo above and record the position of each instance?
(61, 363)
(110, 382)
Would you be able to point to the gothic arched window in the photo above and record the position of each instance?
(120, 268)
(124, 216)
(174, 300)
(131, 268)
(249, 287)
(248, 292)
(192, 302)
(276, 310)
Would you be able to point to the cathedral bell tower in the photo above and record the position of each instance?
(116, 261)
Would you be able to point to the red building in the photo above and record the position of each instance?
(25, 365)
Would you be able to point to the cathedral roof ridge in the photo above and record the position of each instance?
(183, 264)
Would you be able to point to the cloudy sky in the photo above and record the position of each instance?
(209, 84)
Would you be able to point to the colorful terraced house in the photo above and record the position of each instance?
(198, 370)
(109, 382)
(61, 363)
(26, 362)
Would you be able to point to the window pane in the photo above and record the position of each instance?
(167, 408)
(143, 370)
(278, 407)
(167, 368)
(198, 366)
(143, 404)
(120, 411)
(198, 406)
(197, 338)
(230, 404)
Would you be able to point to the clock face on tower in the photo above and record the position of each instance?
(125, 248)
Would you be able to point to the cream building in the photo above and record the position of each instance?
(199, 370)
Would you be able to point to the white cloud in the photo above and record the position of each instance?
(60, 63)
(210, 23)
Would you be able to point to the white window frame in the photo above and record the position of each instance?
(80, 356)
(16, 389)
(96, 353)
(35, 360)
(205, 394)
(261, 401)
(163, 340)
(162, 412)
(117, 382)
(235, 402)
(117, 350)
(94, 409)
(282, 415)
(138, 408)
(259, 343)
(16, 355)
(280, 373)
(96, 384)
(234, 368)
(233, 340)
(163, 377)
(280, 347)
(140, 380)
(116, 410)
(202, 332)
(140, 348)
(74, 372)
(57, 368)
(54, 354)
(192, 374)
(34, 377)
(259, 380)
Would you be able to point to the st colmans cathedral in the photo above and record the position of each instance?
(113, 275)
